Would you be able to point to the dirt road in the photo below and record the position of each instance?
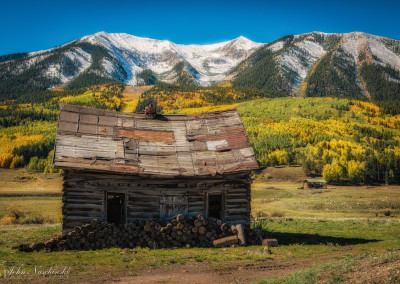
(214, 274)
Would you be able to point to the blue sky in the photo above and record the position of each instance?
(34, 25)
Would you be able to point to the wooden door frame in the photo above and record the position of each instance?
(106, 192)
(215, 192)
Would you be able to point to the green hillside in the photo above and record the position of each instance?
(346, 141)
(27, 130)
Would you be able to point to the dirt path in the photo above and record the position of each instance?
(215, 274)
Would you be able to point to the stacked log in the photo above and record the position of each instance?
(178, 231)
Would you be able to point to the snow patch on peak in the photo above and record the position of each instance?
(102, 33)
(319, 33)
(300, 58)
(242, 38)
(352, 42)
(276, 46)
(356, 40)
(209, 62)
(79, 57)
(385, 56)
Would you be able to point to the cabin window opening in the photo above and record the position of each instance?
(172, 205)
(116, 208)
(215, 205)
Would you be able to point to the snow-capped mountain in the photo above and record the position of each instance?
(206, 63)
(122, 56)
(321, 64)
(313, 64)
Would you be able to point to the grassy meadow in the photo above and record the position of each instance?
(317, 236)
(284, 199)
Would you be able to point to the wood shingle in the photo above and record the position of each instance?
(167, 145)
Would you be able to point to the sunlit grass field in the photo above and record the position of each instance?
(316, 226)
(285, 199)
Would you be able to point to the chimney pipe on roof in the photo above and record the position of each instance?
(150, 111)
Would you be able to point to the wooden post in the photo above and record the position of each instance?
(240, 234)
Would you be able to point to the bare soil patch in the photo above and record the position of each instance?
(228, 272)
(381, 272)
(134, 92)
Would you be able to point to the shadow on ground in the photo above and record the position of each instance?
(314, 239)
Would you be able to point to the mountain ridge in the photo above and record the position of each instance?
(310, 64)
(327, 64)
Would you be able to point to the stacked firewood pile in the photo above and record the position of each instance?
(178, 231)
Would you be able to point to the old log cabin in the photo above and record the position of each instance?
(124, 166)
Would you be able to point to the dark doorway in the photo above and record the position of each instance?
(116, 208)
(215, 208)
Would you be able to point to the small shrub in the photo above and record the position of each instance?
(277, 214)
(6, 160)
(387, 213)
(266, 176)
(260, 214)
(33, 163)
(7, 220)
(15, 213)
(336, 278)
(33, 219)
(17, 161)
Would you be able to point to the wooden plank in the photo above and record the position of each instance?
(88, 206)
(87, 129)
(127, 168)
(143, 214)
(147, 135)
(76, 213)
(105, 130)
(83, 220)
(86, 146)
(156, 148)
(79, 200)
(153, 124)
(196, 209)
(143, 209)
(237, 210)
(67, 126)
(88, 119)
(108, 120)
(69, 116)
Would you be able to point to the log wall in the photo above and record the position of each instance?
(84, 196)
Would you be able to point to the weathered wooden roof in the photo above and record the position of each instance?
(171, 145)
